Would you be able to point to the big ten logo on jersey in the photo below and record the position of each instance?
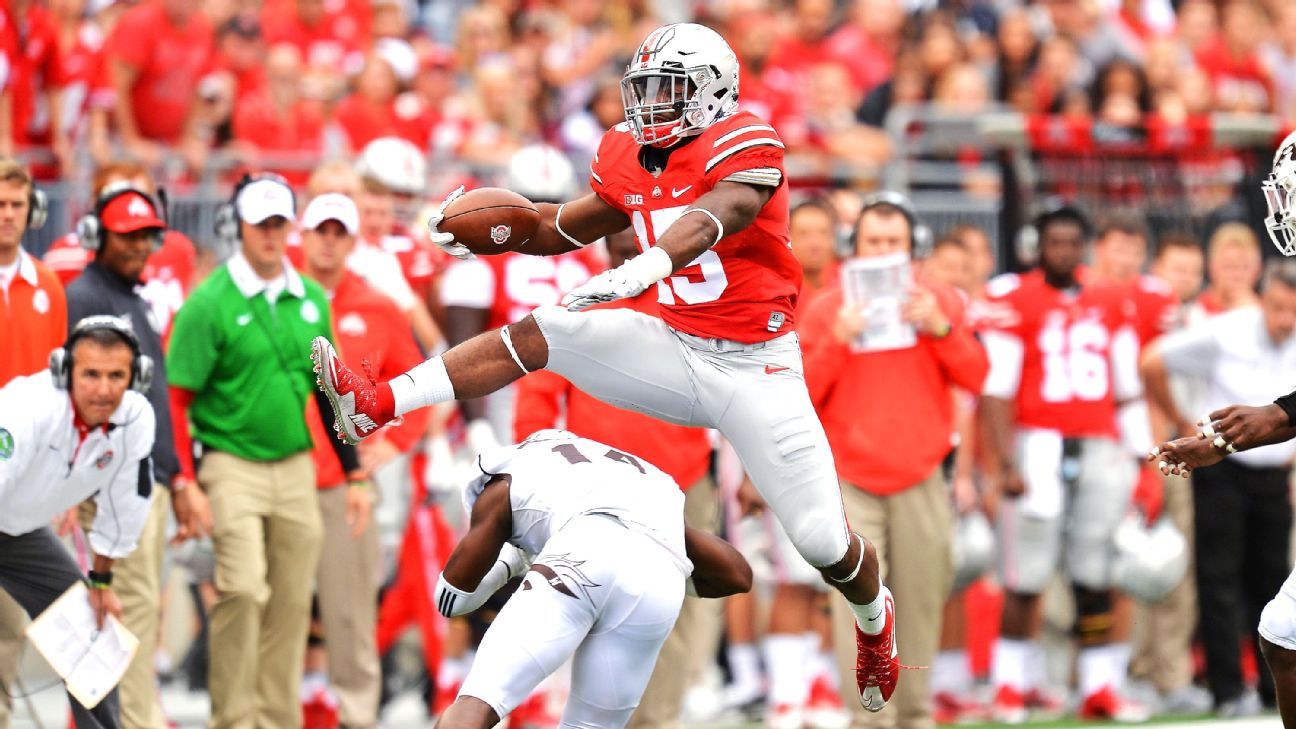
(632, 200)
(703, 280)
(1074, 357)
(534, 281)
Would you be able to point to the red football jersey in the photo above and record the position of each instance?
(745, 287)
(1156, 309)
(511, 285)
(1064, 357)
(415, 259)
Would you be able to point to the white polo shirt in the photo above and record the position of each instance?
(47, 464)
(1240, 365)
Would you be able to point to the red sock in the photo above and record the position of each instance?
(386, 403)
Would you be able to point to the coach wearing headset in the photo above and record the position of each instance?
(124, 228)
(78, 429)
(894, 488)
(241, 381)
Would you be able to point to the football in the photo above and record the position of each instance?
(491, 220)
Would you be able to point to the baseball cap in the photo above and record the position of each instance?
(332, 206)
(129, 212)
(264, 199)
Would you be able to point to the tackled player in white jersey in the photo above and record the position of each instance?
(601, 539)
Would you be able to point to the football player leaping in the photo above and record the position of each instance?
(1242, 427)
(702, 184)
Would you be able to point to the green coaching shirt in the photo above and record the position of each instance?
(247, 360)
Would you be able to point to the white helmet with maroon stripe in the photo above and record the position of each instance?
(682, 79)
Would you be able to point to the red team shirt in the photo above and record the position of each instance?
(745, 287)
(1064, 357)
(170, 61)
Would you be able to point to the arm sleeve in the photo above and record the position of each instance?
(750, 151)
(540, 399)
(1004, 352)
(123, 506)
(180, 400)
(1124, 352)
(453, 602)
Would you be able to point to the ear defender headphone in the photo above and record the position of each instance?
(60, 361)
(37, 202)
(90, 228)
(921, 240)
(227, 217)
(1028, 238)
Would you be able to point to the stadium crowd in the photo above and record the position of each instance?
(356, 117)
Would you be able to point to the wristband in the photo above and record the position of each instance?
(99, 580)
(649, 267)
(943, 331)
(1288, 404)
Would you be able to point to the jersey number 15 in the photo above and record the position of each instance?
(701, 281)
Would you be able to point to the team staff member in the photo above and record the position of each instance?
(237, 381)
(123, 230)
(369, 329)
(683, 453)
(33, 321)
(71, 432)
(898, 497)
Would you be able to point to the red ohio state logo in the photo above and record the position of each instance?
(500, 234)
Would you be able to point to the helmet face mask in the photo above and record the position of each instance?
(683, 78)
(1280, 194)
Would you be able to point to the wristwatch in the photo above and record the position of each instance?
(99, 580)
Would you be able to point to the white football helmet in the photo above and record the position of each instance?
(973, 547)
(1150, 561)
(394, 163)
(682, 79)
(541, 173)
(1280, 192)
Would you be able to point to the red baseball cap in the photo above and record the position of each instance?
(130, 212)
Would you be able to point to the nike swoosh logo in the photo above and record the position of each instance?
(681, 191)
(243, 320)
(771, 369)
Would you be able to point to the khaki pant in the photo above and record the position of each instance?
(911, 531)
(1164, 630)
(13, 621)
(693, 639)
(348, 603)
(267, 536)
(137, 581)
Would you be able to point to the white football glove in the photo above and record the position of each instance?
(610, 285)
(446, 241)
(625, 281)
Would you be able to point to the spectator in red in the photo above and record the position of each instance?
(277, 123)
(241, 58)
(160, 52)
(766, 92)
(870, 40)
(81, 44)
(812, 227)
(419, 111)
(805, 46)
(1198, 24)
(332, 39)
(367, 113)
(898, 494)
(37, 87)
(1232, 60)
